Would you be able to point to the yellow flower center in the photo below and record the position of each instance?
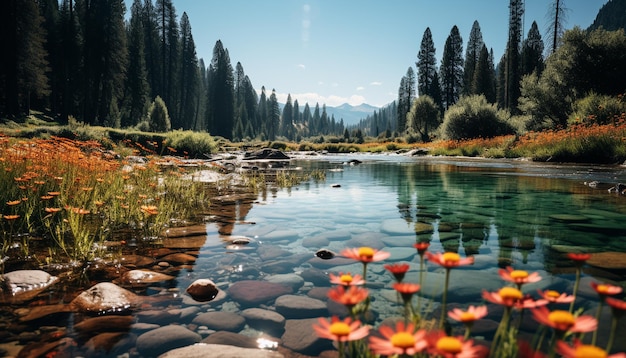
(552, 294)
(467, 317)
(586, 351)
(451, 257)
(403, 340)
(449, 345)
(340, 329)
(347, 278)
(562, 317)
(366, 252)
(510, 293)
(602, 289)
(517, 274)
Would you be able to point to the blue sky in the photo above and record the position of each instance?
(355, 51)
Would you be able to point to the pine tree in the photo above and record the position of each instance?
(485, 77)
(262, 113)
(23, 64)
(189, 83)
(501, 82)
(137, 91)
(273, 117)
(532, 52)
(426, 64)
(220, 93)
(49, 9)
(406, 95)
(451, 69)
(512, 68)
(152, 56)
(475, 45)
(170, 49)
(71, 54)
(558, 17)
(286, 120)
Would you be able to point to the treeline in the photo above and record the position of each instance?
(80, 58)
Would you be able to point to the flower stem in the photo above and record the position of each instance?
(419, 297)
(595, 333)
(576, 283)
(609, 345)
(444, 300)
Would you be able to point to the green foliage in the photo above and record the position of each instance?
(474, 117)
(423, 118)
(195, 144)
(598, 109)
(158, 116)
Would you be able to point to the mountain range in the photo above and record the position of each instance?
(351, 114)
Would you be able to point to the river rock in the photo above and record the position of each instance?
(299, 336)
(179, 258)
(287, 279)
(111, 323)
(265, 153)
(397, 227)
(38, 312)
(202, 290)
(316, 276)
(264, 320)
(219, 351)
(190, 242)
(24, 285)
(293, 306)
(137, 261)
(271, 252)
(252, 293)
(194, 230)
(103, 298)
(164, 339)
(231, 339)
(400, 253)
(143, 277)
(220, 321)
(109, 344)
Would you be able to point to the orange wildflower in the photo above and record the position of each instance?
(341, 330)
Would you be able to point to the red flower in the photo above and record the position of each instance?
(518, 277)
(564, 321)
(341, 330)
(506, 296)
(605, 289)
(346, 279)
(406, 290)
(365, 254)
(578, 258)
(398, 270)
(555, 297)
(448, 259)
(441, 345)
(617, 306)
(350, 297)
(404, 340)
(472, 314)
(421, 247)
(583, 350)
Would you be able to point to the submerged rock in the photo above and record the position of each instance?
(219, 351)
(164, 339)
(143, 277)
(104, 298)
(265, 153)
(251, 293)
(325, 254)
(202, 290)
(23, 285)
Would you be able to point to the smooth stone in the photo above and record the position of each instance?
(335, 261)
(288, 279)
(219, 351)
(142, 277)
(271, 252)
(219, 298)
(252, 293)
(38, 312)
(190, 242)
(320, 293)
(264, 320)
(231, 339)
(105, 297)
(163, 339)
(293, 306)
(399, 241)
(400, 253)
(300, 337)
(220, 321)
(285, 234)
(315, 242)
(137, 261)
(24, 285)
(335, 235)
(104, 324)
(397, 227)
(158, 316)
(179, 258)
(316, 276)
(194, 230)
(110, 344)
(202, 290)
(325, 254)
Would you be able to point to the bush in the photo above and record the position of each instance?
(192, 144)
(474, 117)
(158, 116)
(598, 109)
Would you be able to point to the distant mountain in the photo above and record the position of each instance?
(351, 114)
(611, 17)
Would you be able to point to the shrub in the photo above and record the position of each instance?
(598, 109)
(158, 116)
(474, 117)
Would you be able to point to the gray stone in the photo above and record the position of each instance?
(163, 339)
(221, 321)
(264, 320)
(300, 337)
(397, 227)
(292, 306)
(288, 279)
(219, 351)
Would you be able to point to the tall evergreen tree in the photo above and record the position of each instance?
(189, 83)
(153, 56)
(475, 45)
(170, 49)
(220, 93)
(23, 64)
(49, 9)
(286, 120)
(485, 77)
(512, 74)
(262, 114)
(406, 95)
(105, 58)
(501, 82)
(532, 52)
(273, 116)
(137, 91)
(426, 64)
(451, 69)
(71, 52)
